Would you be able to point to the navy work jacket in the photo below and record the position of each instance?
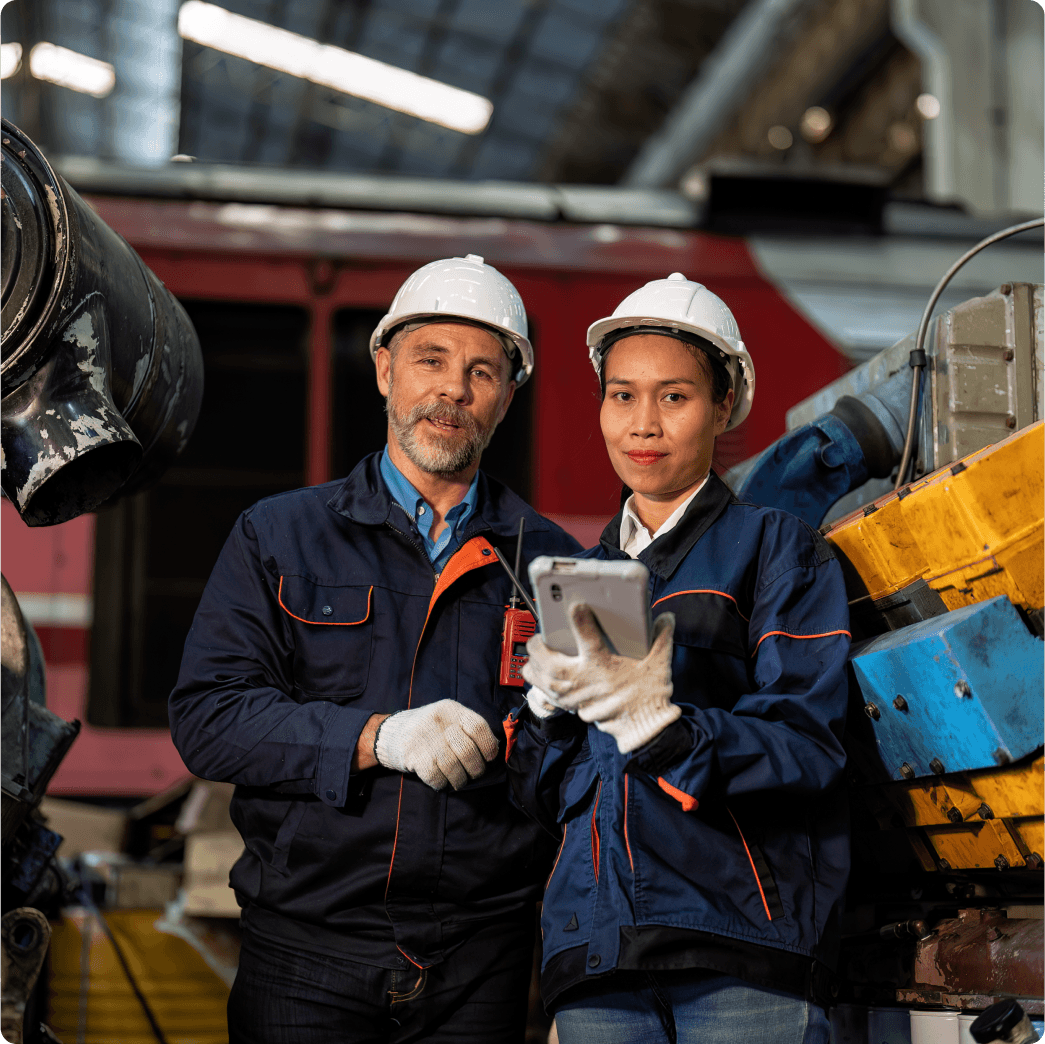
(728, 831)
(322, 610)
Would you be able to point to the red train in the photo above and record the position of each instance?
(284, 300)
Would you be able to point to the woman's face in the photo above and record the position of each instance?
(657, 417)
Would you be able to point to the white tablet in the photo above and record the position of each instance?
(617, 592)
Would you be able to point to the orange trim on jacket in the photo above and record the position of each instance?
(325, 623)
(627, 843)
(595, 843)
(788, 634)
(758, 880)
(687, 801)
(703, 590)
(562, 845)
(511, 727)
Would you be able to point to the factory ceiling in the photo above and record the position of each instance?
(579, 88)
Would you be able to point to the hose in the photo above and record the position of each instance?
(917, 357)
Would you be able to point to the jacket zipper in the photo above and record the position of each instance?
(415, 545)
(410, 696)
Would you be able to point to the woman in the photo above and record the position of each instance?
(704, 840)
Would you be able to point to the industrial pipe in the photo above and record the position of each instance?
(102, 375)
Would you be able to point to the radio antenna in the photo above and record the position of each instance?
(518, 558)
(527, 601)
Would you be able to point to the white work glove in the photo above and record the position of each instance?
(627, 698)
(443, 742)
(540, 705)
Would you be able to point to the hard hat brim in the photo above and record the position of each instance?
(390, 323)
(744, 373)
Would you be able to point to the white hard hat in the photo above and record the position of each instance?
(462, 288)
(680, 306)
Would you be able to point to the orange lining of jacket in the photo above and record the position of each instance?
(687, 801)
(325, 623)
(703, 590)
(464, 560)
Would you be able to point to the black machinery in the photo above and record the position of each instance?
(102, 380)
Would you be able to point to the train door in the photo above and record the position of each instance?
(154, 551)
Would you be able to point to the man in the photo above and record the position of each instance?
(343, 672)
(704, 851)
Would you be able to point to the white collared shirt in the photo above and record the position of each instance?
(635, 537)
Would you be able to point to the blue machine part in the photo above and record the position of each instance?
(958, 691)
(807, 470)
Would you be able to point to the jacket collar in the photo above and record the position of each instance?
(364, 497)
(666, 553)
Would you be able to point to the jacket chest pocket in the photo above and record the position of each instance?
(333, 634)
(711, 658)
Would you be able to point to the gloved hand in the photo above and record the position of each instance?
(443, 742)
(540, 705)
(627, 698)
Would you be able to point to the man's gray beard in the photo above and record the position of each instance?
(439, 459)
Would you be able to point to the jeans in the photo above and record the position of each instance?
(478, 995)
(688, 1008)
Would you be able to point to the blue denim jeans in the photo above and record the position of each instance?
(684, 1008)
(478, 995)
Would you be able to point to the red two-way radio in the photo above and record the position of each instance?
(519, 624)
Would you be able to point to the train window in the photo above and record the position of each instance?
(155, 550)
(359, 422)
(360, 425)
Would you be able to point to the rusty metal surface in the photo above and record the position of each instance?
(25, 934)
(927, 998)
(983, 952)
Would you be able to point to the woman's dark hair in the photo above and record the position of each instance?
(715, 371)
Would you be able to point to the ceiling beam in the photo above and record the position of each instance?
(756, 37)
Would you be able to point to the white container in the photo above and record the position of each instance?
(934, 1027)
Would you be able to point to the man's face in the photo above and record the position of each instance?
(447, 389)
(658, 417)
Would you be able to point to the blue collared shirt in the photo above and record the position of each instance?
(438, 550)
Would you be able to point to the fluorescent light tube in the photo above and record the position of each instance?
(71, 69)
(10, 59)
(334, 67)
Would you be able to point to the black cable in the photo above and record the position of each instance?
(923, 329)
(916, 361)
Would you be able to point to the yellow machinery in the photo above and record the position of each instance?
(946, 581)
